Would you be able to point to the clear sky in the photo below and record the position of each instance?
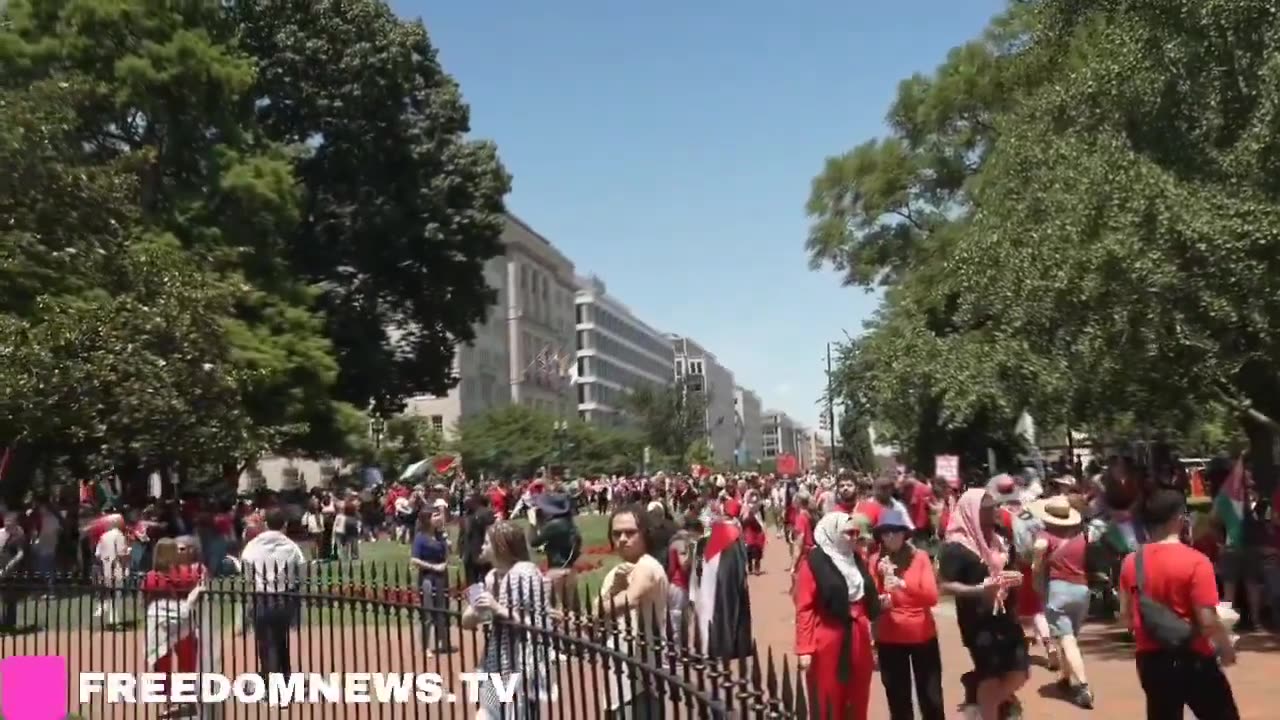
(668, 147)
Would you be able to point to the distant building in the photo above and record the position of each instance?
(616, 354)
(749, 427)
(779, 434)
(703, 374)
(804, 448)
(540, 321)
(482, 367)
(523, 351)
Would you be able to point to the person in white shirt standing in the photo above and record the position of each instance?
(112, 554)
(274, 564)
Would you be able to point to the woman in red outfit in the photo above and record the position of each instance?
(906, 636)
(753, 534)
(836, 601)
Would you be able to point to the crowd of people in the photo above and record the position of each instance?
(1024, 558)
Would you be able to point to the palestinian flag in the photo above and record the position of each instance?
(1228, 505)
(720, 596)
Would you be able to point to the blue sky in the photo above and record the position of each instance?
(668, 147)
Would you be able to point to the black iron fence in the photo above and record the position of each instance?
(567, 656)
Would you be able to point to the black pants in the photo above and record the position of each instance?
(9, 610)
(1174, 679)
(272, 619)
(898, 665)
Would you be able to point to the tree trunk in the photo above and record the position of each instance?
(1262, 456)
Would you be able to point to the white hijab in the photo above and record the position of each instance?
(832, 535)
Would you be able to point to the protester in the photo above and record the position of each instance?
(275, 565)
(430, 555)
(172, 588)
(1169, 599)
(906, 636)
(112, 553)
(1060, 559)
(635, 593)
(557, 536)
(472, 531)
(514, 590)
(13, 553)
(836, 602)
(976, 566)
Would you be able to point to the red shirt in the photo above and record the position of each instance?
(909, 620)
(1178, 577)
(1066, 558)
(498, 501)
(174, 584)
(803, 527)
(918, 505)
(871, 509)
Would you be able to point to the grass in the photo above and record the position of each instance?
(382, 564)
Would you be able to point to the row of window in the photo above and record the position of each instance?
(636, 359)
(621, 328)
(543, 300)
(603, 394)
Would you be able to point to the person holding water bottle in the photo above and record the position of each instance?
(513, 593)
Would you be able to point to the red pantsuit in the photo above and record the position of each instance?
(820, 637)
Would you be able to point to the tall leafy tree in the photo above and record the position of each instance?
(671, 418)
(1143, 185)
(399, 210)
(887, 214)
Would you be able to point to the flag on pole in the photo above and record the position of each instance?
(720, 596)
(1228, 505)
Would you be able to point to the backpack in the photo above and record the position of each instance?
(1026, 528)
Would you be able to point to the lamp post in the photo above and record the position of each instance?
(831, 413)
(377, 427)
(561, 434)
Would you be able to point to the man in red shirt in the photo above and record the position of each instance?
(1180, 579)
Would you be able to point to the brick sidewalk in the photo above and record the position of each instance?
(1109, 660)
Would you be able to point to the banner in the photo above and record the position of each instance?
(788, 465)
(947, 467)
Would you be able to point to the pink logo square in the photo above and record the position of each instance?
(33, 688)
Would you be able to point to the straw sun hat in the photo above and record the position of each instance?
(1056, 511)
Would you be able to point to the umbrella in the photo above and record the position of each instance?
(416, 469)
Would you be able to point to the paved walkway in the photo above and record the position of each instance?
(1110, 660)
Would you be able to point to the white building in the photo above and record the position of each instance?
(482, 367)
(702, 373)
(750, 427)
(540, 321)
(616, 354)
(778, 435)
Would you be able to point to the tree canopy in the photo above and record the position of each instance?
(284, 191)
(517, 441)
(672, 419)
(1108, 246)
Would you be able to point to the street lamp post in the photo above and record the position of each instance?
(831, 414)
(561, 433)
(377, 427)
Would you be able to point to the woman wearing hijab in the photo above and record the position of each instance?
(836, 601)
(977, 567)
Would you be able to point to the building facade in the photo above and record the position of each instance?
(778, 436)
(804, 448)
(617, 353)
(702, 373)
(482, 367)
(750, 428)
(540, 321)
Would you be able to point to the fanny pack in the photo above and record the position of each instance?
(1159, 622)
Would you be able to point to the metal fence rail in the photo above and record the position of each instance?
(369, 618)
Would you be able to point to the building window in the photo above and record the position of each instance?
(437, 423)
(582, 393)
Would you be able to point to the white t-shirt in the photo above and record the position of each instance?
(112, 547)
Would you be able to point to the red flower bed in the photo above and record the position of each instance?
(602, 549)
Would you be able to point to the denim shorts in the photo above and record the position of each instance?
(1066, 607)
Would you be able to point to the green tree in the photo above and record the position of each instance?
(1142, 187)
(699, 453)
(405, 440)
(517, 441)
(888, 213)
(671, 418)
(854, 450)
(401, 209)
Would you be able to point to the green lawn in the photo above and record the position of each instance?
(383, 565)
